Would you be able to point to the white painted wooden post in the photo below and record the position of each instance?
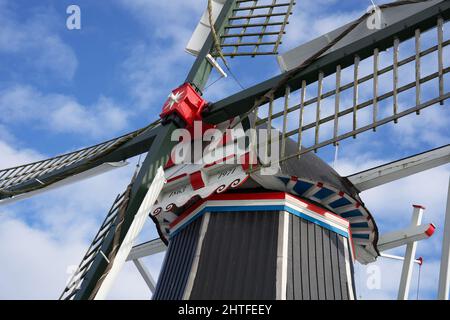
(444, 273)
(410, 254)
(145, 274)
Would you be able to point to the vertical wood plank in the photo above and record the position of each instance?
(395, 77)
(319, 101)
(320, 262)
(312, 262)
(417, 67)
(355, 93)
(306, 295)
(337, 97)
(300, 118)
(285, 113)
(440, 30)
(375, 86)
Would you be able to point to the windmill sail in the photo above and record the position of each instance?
(35, 176)
(337, 86)
(96, 248)
(256, 27)
(326, 90)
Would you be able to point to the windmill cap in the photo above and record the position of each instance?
(418, 206)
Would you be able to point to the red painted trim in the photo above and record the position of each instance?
(257, 196)
(187, 213)
(177, 177)
(418, 206)
(318, 209)
(341, 193)
(220, 161)
(169, 163)
(294, 178)
(320, 184)
(249, 196)
(229, 196)
(226, 138)
(246, 160)
(196, 180)
(420, 259)
(429, 232)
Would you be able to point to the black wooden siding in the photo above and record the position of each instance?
(177, 263)
(239, 260)
(239, 257)
(316, 263)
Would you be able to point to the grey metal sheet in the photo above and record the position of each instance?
(313, 168)
(295, 57)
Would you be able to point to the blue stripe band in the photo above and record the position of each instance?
(280, 207)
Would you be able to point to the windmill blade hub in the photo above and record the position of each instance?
(183, 106)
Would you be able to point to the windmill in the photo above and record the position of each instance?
(231, 230)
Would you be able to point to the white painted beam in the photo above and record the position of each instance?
(405, 280)
(331, 198)
(399, 169)
(444, 273)
(147, 249)
(312, 190)
(402, 237)
(133, 232)
(145, 274)
(394, 257)
(103, 168)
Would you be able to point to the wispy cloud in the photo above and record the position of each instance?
(391, 206)
(314, 18)
(158, 63)
(36, 35)
(60, 113)
(49, 233)
(58, 226)
(11, 157)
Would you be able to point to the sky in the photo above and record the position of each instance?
(62, 90)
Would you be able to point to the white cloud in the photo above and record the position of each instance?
(42, 236)
(61, 113)
(50, 55)
(389, 272)
(35, 263)
(158, 64)
(11, 157)
(47, 233)
(391, 206)
(430, 128)
(312, 19)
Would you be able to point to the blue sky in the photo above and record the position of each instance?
(62, 89)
